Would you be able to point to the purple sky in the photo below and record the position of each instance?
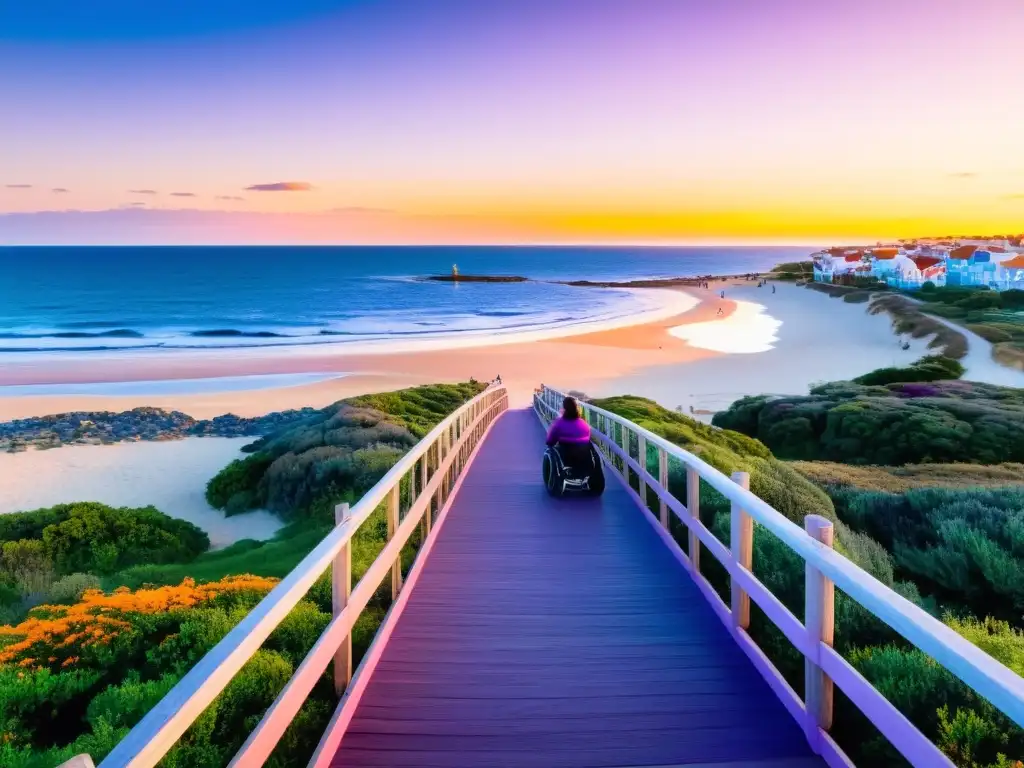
(634, 119)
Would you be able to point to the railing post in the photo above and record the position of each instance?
(693, 512)
(396, 567)
(663, 479)
(622, 440)
(341, 590)
(78, 761)
(819, 617)
(741, 541)
(427, 518)
(641, 454)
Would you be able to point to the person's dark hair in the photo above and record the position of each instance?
(570, 409)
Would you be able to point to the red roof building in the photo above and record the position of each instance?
(885, 253)
(964, 252)
(925, 262)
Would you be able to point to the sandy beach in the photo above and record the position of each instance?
(755, 341)
(591, 357)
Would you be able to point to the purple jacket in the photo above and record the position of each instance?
(568, 431)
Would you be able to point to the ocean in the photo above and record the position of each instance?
(82, 299)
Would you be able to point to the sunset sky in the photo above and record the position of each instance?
(804, 121)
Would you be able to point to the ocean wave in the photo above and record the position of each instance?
(117, 333)
(549, 316)
(234, 333)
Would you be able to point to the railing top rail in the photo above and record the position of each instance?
(997, 683)
(150, 739)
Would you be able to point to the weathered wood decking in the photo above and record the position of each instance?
(557, 634)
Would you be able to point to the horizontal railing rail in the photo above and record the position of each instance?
(432, 467)
(825, 570)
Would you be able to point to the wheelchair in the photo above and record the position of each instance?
(569, 467)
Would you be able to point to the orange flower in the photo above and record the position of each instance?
(98, 618)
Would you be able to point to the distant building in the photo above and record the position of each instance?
(996, 264)
(833, 264)
(1010, 273)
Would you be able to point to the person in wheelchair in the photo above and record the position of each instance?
(576, 463)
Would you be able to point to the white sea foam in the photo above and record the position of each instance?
(749, 329)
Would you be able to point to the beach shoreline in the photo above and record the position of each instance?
(522, 364)
(741, 332)
(756, 341)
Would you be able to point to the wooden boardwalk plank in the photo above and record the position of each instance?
(560, 634)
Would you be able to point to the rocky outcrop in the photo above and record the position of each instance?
(96, 427)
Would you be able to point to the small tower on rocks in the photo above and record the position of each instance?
(455, 271)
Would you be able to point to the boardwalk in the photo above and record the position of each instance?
(560, 634)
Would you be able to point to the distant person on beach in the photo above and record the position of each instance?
(723, 294)
(719, 310)
(773, 289)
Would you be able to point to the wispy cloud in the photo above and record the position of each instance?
(142, 191)
(1015, 196)
(963, 175)
(60, 190)
(230, 197)
(281, 186)
(19, 186)
(183, 194)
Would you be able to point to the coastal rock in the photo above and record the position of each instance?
(154, 424)
(478, 278)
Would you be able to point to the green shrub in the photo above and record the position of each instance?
(904, 423)
(930, 368)
(70, 588)
(964, 546)
(239, 477)
(829, 475)
(728, 451)
(338, 452)
(88, 537)
(793, 270)
(976, 735)
(990, 332)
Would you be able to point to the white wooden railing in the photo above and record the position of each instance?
(825, 570)
(430, 469)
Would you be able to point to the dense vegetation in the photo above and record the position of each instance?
(901, 423)
(830, 475)
(793, 270)
(53, 554)
(76, 678)
(82, 669)
(334, 455)
(929, 368)
(963, 546)
(952, 552)
(772, 480)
